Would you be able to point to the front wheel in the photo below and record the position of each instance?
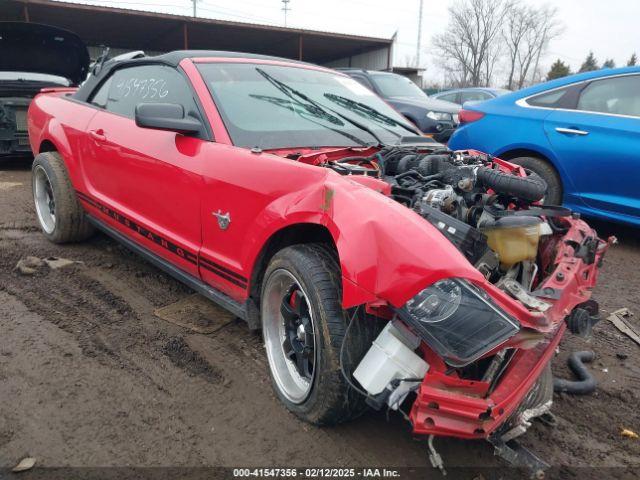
(303, 325)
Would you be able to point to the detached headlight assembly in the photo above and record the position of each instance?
(458, 321)
(440, 116)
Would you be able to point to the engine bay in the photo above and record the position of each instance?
(491, 210)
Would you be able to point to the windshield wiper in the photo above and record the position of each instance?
(366, 110)
(288, 89)
(311, 112)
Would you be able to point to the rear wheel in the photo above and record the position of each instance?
(59, 213)
(545, 170)
(303, 326)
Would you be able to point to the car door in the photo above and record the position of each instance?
(246, 190)
(147, 181)
(598, 143)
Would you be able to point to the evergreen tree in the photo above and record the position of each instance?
(609, 63)
(632, 61)
(589, 64)
(558, 70)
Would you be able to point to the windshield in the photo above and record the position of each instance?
(270, 107)
(33, 77)
(392, 85)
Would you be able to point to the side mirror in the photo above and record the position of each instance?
(165, 116)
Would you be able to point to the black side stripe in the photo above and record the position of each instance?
(181, 252)
(222, 269)
(224, 275)
(157, 239)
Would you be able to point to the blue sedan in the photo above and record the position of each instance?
(580, 133)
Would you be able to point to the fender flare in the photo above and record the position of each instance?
(300, 208)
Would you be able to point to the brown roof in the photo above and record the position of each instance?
(142, 30)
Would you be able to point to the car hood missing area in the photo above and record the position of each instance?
(36, 48)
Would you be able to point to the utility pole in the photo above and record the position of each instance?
(419, 46)
(285, 8)
(195, 13)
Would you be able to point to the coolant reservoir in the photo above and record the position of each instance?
(514, 238)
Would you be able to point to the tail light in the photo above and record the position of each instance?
(468, 116)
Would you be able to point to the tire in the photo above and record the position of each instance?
(59, 213)
(549, 174)
(322, 397)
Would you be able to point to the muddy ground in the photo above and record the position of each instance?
(90, 377)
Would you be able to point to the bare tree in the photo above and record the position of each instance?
(468, 50)
(550, 28)
(518, 24)
(411, 61)
(527, 33)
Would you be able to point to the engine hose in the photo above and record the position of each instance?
(431, 164)
(531, 188)
(586, 383)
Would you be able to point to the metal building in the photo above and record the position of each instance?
(125, 30)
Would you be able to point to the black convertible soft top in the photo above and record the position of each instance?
(172, 59)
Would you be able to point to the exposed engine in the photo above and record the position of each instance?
(485, 207)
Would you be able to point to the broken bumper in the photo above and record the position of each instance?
(447, 405)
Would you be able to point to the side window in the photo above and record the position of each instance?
(553, 99)
(363, 81)
(619, 95)
(127, 87)
(100, 97)
(450, 97)
(474, 96)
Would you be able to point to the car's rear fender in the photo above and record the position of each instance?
(61, 129)
(540, 150)
(527, 149)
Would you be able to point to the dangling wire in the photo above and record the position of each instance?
(352, 385)
(342, 369)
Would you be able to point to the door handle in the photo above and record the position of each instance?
(98, 135)
(571, 131)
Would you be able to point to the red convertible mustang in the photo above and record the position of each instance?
(382, 268)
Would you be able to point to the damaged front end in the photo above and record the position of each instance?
(489, 390)
(474, 353)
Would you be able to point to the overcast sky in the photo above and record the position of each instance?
(610, 28)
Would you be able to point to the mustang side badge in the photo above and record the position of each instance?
(224, 219)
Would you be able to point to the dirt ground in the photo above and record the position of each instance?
(90, 377)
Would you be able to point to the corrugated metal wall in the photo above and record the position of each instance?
(374, 60)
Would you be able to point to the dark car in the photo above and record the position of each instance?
(430, 115)
(471, 94)
(32, 57)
